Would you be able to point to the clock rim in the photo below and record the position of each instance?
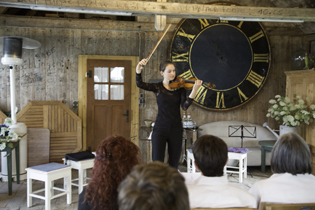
(254, 95)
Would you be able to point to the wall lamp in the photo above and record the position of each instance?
(283, 20)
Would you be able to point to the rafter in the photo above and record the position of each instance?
(3, 9)
(181, 10)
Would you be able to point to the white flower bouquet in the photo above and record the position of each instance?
(6, 134)
(291, 113)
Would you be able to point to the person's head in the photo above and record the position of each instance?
(115, 158)
(153, 186)
(211, 154)
(167, 70)
(291, 155)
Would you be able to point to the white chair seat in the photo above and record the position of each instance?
(48, 173)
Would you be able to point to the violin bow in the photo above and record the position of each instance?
(157, 44)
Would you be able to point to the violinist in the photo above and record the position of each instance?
(168, 125)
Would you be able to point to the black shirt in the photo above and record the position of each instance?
(83, 205)
(168, 102)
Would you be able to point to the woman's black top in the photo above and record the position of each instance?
(168, 102)
(83, 205)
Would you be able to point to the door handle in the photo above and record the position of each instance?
(127, 115)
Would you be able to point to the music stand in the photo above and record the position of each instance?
(242, 131)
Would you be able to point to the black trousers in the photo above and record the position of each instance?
(173, 137)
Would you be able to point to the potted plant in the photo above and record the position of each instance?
(6, 134)
(291, 113)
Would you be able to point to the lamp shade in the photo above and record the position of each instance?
(12, 49)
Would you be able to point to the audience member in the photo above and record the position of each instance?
(292, 181)
(211, 189)
(153, 186)
(114, 160)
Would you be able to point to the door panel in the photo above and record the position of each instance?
(108, 99)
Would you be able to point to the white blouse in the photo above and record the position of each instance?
(285, 188)
(216, 192)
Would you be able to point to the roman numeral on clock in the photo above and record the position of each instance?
(201, 95)
(261, 57)
(186, 75)
(181, 32)
(241, 95)
(220, 101)
(240, 24)
(256, 36)
(180, 57)
(204, 23)
(255, 78)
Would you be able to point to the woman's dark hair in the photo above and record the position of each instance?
(114, 160)
(164, 64)
(291, 155)
(210, 153)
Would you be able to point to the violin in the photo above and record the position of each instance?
(180, 82)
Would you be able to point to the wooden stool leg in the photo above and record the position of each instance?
(47, 194)
(245, 167)
(68, 188)
(52, 184)
(84, 177)
(193, 166)
(65, 182)
(29, 190)
(188, 163)
(240, 170)
(80, 172)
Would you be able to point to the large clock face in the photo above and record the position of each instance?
(233, 55)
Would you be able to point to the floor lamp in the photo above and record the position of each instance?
(12, 56)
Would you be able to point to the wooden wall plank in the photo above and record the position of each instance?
(301, 83)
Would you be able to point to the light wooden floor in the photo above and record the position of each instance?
(18, 198)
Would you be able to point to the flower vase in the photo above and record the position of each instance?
(286, 129)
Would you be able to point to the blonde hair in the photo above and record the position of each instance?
(153, 186)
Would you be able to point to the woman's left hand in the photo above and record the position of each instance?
(197, 85)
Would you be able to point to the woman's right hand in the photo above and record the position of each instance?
(142, 63)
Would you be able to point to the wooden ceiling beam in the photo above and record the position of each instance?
(273, 29)
(3, 9)
(69, 23)
(181, 10)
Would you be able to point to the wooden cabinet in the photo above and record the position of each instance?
(302, 83)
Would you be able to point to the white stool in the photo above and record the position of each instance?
(242, 165)
(48, 173)
(190, 162)
(81, 166)
(241, 157)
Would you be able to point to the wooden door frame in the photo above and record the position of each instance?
(82, 94)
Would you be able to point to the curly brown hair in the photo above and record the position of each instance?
(114, 160)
